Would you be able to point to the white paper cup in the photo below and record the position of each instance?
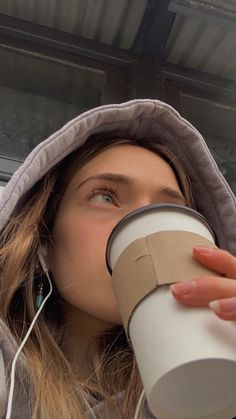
(186, 355)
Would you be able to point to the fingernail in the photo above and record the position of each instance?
(184, 287)
(215, 306)
(224, 306)
(204, 250)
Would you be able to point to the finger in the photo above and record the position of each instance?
(216, 259)
(225, 308)
(201, 291)
(227, 316)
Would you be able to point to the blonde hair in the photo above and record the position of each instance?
(55, 391)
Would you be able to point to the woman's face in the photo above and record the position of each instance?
(104, 190)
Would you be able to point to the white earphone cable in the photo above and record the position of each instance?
(12, 377)
(139, 405)
(13, 367)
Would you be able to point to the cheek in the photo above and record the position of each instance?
(80, 248)
(86, 240)
(79, 268)
(93, 235)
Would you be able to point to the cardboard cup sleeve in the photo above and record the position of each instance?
(147, 263)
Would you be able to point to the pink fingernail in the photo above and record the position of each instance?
(204, 250)
(183, 288)
(224, 306)
(215, 306)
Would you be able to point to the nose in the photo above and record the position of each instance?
(142, 203)
(134, 207)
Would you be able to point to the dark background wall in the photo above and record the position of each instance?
(59, 58)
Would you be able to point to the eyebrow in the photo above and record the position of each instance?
(121, 179)
(124, 180)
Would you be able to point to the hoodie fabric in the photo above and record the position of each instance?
(135, 119)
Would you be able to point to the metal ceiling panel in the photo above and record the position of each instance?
(113, 22)
(218, 12)
(194, 43)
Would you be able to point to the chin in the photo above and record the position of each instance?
(117, 319)
(112, 316)
(108, 307)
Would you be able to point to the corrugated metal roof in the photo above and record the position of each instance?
(108, 21)
(194, 43)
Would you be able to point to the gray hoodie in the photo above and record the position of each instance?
(136, 119)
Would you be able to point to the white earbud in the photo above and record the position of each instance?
(42, 253)
(44, 250)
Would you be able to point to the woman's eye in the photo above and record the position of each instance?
(103, 197)
(107, 197)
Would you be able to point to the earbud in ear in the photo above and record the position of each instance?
(42, 254)
(44, 250)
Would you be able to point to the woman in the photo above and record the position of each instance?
(63, 203)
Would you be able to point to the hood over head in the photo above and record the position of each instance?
(141, 118)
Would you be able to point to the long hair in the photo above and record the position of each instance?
(55, 390)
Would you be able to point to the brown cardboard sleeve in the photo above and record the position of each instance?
(161, 258)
